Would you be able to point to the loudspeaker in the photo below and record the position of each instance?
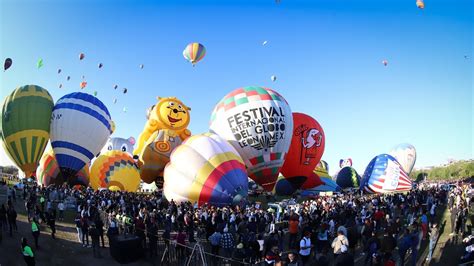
(126, 248)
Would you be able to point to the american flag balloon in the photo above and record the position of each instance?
(383, 175)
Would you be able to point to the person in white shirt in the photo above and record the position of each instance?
(305, 247)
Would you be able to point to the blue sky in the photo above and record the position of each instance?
(326, 55)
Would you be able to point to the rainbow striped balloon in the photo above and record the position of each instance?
(48, 172)
(25, 125)
(194, 52)
(206, 169)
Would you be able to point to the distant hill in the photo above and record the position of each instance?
(455, 170)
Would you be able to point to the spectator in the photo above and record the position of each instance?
(61, 208)
(11, 215)
(95, 237)
(227, 243)
(305, 247)
(338, 242)
(434, 234)
(345, 258)
(35, 230)
(28, 255)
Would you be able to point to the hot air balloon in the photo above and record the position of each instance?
(141, 66)
(81, 56)
(384, 174)
(7, 64)
(420, 4)
(68, 78)
(115, 170)
(125, 90)
(406, 155)
(60, 86)
(194, 52)
(273, 78)
(264, 43)
(119, 144)
(385, 62)
(287, 187)
(125, 109)
(115, 86)
(258, 122)
(59, 71)
(100, 65)
(48, 172)
(345, 162)
(206, 169)
(348, 178)
(83, 84)
(115, 100)
(83, 77)
(306, 149)
(25, 125)
(328, 185)
(95, 93)
(156, 155)
(39, 64)
(80, 127)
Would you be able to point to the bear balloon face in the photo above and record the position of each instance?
(119, 144)
(172, 113)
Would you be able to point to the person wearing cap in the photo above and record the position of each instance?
(344, 258)
(227, 243)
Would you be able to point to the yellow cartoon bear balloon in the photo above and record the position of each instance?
(168, 114)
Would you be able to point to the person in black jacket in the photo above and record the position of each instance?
(99, 225)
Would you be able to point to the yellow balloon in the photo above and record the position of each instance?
(115, 170)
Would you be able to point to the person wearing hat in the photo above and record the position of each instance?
(344, 258)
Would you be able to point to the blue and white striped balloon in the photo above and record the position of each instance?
(80, 127)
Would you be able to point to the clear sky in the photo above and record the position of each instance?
(326, 54)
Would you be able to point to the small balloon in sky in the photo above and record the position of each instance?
(385, 62)
(264, 43)
(115, 101)
(115, 86)
(59, 71)
(420, 4)
(8, 63)
(125, 90)
(39, 64)
(81, 56)
(60, 86)
(83, 84)
(95, 93)
(141, 66)
(68, 78)
(83, 77)
(125, 109)
(467, 57)
(273, 78)
(100, 65)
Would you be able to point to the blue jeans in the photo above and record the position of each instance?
(432, 245)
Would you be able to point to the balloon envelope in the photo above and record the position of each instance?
(80, 127)
(7, 64)
(345, 162)
(48, 172)
(348, 177)
(406, 155)
(25, 125)
(258, 123)
(194, 52)
(206, 169)
(306, 149)
(385, 174)
(115, 170)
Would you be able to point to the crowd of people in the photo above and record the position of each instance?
(325, 230)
